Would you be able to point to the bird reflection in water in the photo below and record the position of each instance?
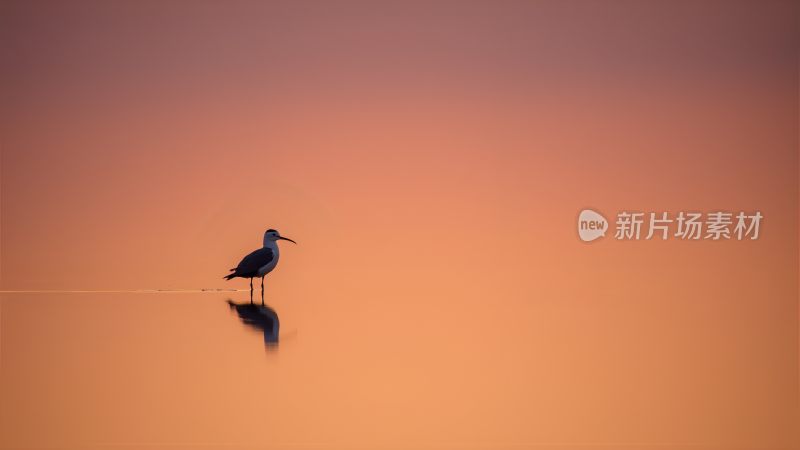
(260, 317)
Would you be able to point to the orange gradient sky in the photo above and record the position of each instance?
(434, 155)
(148, 144)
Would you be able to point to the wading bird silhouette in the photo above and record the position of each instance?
(260, 262)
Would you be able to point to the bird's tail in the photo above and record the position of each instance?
(231, 276)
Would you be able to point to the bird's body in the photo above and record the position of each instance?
(267, 268)
(260, 262)
(257, 264)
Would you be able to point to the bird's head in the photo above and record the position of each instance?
(273, 235)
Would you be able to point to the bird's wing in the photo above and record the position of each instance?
(254, 261)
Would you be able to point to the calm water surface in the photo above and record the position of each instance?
(125, 370)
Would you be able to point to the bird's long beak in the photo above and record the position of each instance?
(287, 239)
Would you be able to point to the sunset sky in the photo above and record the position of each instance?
(434, 155)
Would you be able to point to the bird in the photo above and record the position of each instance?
(260, 262)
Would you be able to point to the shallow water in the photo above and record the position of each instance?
(147, 370)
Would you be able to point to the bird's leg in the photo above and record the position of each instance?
(251, 290)
(262, 291)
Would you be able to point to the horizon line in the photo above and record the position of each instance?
(120, 291)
